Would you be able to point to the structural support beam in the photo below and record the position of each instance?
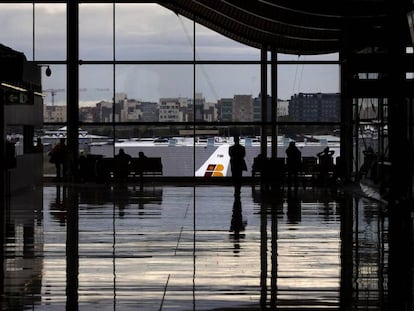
(274, 103)
(346, 159)
(72, 32)
(263, 97)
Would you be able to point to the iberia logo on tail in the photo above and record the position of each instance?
(214, 170)
(217, 164)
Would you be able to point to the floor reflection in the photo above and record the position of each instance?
(161, 247)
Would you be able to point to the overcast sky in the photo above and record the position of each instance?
(148, 32)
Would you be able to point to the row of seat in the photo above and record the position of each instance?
(105, 169)
(275, 169)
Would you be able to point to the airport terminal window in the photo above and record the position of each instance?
(309, 93)
(96, 31)
(210, 45)
(231, 85)
(146, 69)
(158, 33)
(50, 42)
(54, 94)
(18, 17)
(154, 92)
(96, 95)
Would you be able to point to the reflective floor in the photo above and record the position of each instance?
(166, 247)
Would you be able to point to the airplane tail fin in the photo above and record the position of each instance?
(217, 164)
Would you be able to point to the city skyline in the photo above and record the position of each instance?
(307, 107)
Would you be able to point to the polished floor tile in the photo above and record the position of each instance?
(166, 247)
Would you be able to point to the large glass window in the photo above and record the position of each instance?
(96, 93)
(54, 94)
(147, 73)
(50, 41)
(213, 46)
(154, 93)
(147, 31)
(96, 31)
(17, 27)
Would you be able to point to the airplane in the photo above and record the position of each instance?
(217, 164)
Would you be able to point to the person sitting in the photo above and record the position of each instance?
(325, 164)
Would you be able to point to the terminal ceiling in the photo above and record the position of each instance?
(296, 26)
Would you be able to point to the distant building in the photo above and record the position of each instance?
(315, 107)
(242, 108)
(169, 110)
(210, 112)
(225, 110)
(257, 108)
(199, 107)
(104, 111)
(54, 113)
(88, 114)
(282, 108)
(149, 111)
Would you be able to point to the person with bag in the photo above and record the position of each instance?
(58, 156)
(293, 163)
(237, 153)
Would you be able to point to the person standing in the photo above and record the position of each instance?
(39, 146)
(122, 165)
(58, 156)
(237, 153)
(293, 163)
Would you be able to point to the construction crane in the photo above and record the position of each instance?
(54, 91)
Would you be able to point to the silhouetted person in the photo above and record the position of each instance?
(122, 161)
(58, 207)
(293, 163)
(141, 155)
(370, 158)
(59, 156)
(325, 164)
(294, 210)
(121, 197)
(237, 224)
(39, 146)
(259, 164)
(237, 163)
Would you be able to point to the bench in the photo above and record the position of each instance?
(276, 170)
(145, 166)
(269, 169)
(309, 171)
(107, 168)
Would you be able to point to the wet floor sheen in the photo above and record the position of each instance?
(163, 247)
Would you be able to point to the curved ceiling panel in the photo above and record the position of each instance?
(288, 26)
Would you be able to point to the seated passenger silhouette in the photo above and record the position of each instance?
(325, 165)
